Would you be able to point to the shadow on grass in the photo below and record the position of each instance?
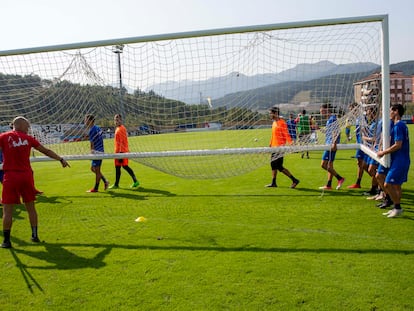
(56, 256)
(134, 194)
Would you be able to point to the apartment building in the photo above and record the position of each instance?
(367, 90)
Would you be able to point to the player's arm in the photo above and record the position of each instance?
(92, 147)
(397, 146)
(52, 154)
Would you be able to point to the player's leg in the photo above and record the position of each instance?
(31, 210)
(7, 224)
(132, 174)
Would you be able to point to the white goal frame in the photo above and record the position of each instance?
(181, 35)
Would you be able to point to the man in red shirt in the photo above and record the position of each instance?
(280, 136)
(18, 180)
(121, 146)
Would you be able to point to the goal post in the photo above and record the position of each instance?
(196, 103)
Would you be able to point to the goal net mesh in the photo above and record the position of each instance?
(194, 106)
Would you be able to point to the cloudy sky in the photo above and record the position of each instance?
(28, 23)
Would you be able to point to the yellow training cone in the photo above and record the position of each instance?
(141, 219)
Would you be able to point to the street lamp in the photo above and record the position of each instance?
(118, 49)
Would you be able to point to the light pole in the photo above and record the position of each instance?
(117, 49)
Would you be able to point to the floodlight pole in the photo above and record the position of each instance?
(117, 49)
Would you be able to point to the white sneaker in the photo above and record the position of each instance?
(395, 212)
(387, 213)
(374, 197)
(380, 196)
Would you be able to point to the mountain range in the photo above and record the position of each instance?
(195, 92)
(235, 88)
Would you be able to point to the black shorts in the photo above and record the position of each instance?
(276, 164)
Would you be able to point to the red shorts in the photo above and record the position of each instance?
(16, 185)
(121, 162)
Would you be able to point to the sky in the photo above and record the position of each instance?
(29, 23)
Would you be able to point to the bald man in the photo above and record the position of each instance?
(18, 180)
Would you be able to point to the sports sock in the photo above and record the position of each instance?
(34, 232)
(6, 235)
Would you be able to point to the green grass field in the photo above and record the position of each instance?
(223, 244)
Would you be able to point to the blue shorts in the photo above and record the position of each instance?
(96, 163)
(397, 174)
(382, 170)
(360, 154)
(329, 156)
(372, 162)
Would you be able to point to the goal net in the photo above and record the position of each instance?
(196, 104)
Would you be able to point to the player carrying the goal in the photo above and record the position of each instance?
(121, 146)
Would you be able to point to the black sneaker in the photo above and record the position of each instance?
(384, 204)
(370, 193)
(294, 184)
(35, 239)
(271, 186)
(6, 244)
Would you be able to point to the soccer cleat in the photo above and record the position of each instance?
(384, 204)
(294, 184)
(340, 182)
(35, 239)
(371, 192)
(271, 186)
(387, 213)
(135, 184)
(92, 190)
(106, 185)
(354, 186)
(38, 192)
(6, 244)
(395, 212)
(325, 188)
(113, 187)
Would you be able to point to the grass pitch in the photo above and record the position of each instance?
(224, 244)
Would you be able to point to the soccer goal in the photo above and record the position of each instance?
(196, 103)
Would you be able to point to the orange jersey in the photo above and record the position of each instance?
(121, 140)
(280, 133)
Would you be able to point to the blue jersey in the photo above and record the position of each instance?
(96, 137)
(332, 131)
(399, 132)
(291, 124)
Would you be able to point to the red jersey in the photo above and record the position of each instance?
(16, 147)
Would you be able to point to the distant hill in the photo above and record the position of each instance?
(228, 90)
(407, 68)
(192, 92)
(333, 87)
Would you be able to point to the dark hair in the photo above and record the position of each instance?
(90, 117)
(118, 116)
(303, 111)
(274, 110)
(327, 106)
(399, 108)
